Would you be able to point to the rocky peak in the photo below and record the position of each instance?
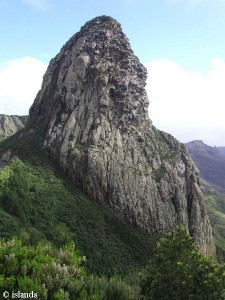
(9, 125)
(100, 55)
(91, 114)
(120, 79)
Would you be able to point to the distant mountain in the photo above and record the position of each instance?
(9, 125)
(221, 150)
(210, 162)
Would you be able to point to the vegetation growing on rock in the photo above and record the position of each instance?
(38, 200)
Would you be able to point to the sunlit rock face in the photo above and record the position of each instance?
(92, 115)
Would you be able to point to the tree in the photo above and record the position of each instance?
(179, 271)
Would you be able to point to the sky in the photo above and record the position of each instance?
(181, 43)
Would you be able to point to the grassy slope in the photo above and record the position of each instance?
(215, 204)
(39, 202)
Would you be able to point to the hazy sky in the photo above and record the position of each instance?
(181, 42)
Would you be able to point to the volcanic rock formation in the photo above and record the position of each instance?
(9, 125)
(92, 115)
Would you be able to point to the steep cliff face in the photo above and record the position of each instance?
(92, 115)
(9, 125)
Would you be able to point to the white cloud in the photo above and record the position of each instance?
(20, 81)
(188, 103)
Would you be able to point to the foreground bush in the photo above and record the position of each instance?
(111, 289)
(50, 274)
(179, 272)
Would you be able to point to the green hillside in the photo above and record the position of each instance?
(215, 204)
(38, 202)
(111, 260)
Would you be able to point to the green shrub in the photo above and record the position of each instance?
(55, 274)
(111, 289)
(42, 269)
(38, 202)
(179, 271)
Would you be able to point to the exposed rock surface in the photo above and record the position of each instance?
(92, 115)
(210, 162)
(9, 125)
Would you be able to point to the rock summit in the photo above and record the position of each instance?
(92, 115)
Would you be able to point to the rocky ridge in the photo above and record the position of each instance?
(210, 162)
(9, 125)
(92, 115)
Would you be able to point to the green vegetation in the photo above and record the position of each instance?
(2, 137)
(4, 177)
(171, 156)
(80, 147)
(44, 272)
(40, 205)
(38, 201)
(158, 174)
(215, 203)
(179, 272)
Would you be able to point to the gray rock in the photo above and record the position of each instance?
(93, 111)
(9, 125)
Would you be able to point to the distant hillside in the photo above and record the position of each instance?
(9, 125)
(221, 150)
(210, 162)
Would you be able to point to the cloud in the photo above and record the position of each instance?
(20, 81)
(188, 102)
(37, 3)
